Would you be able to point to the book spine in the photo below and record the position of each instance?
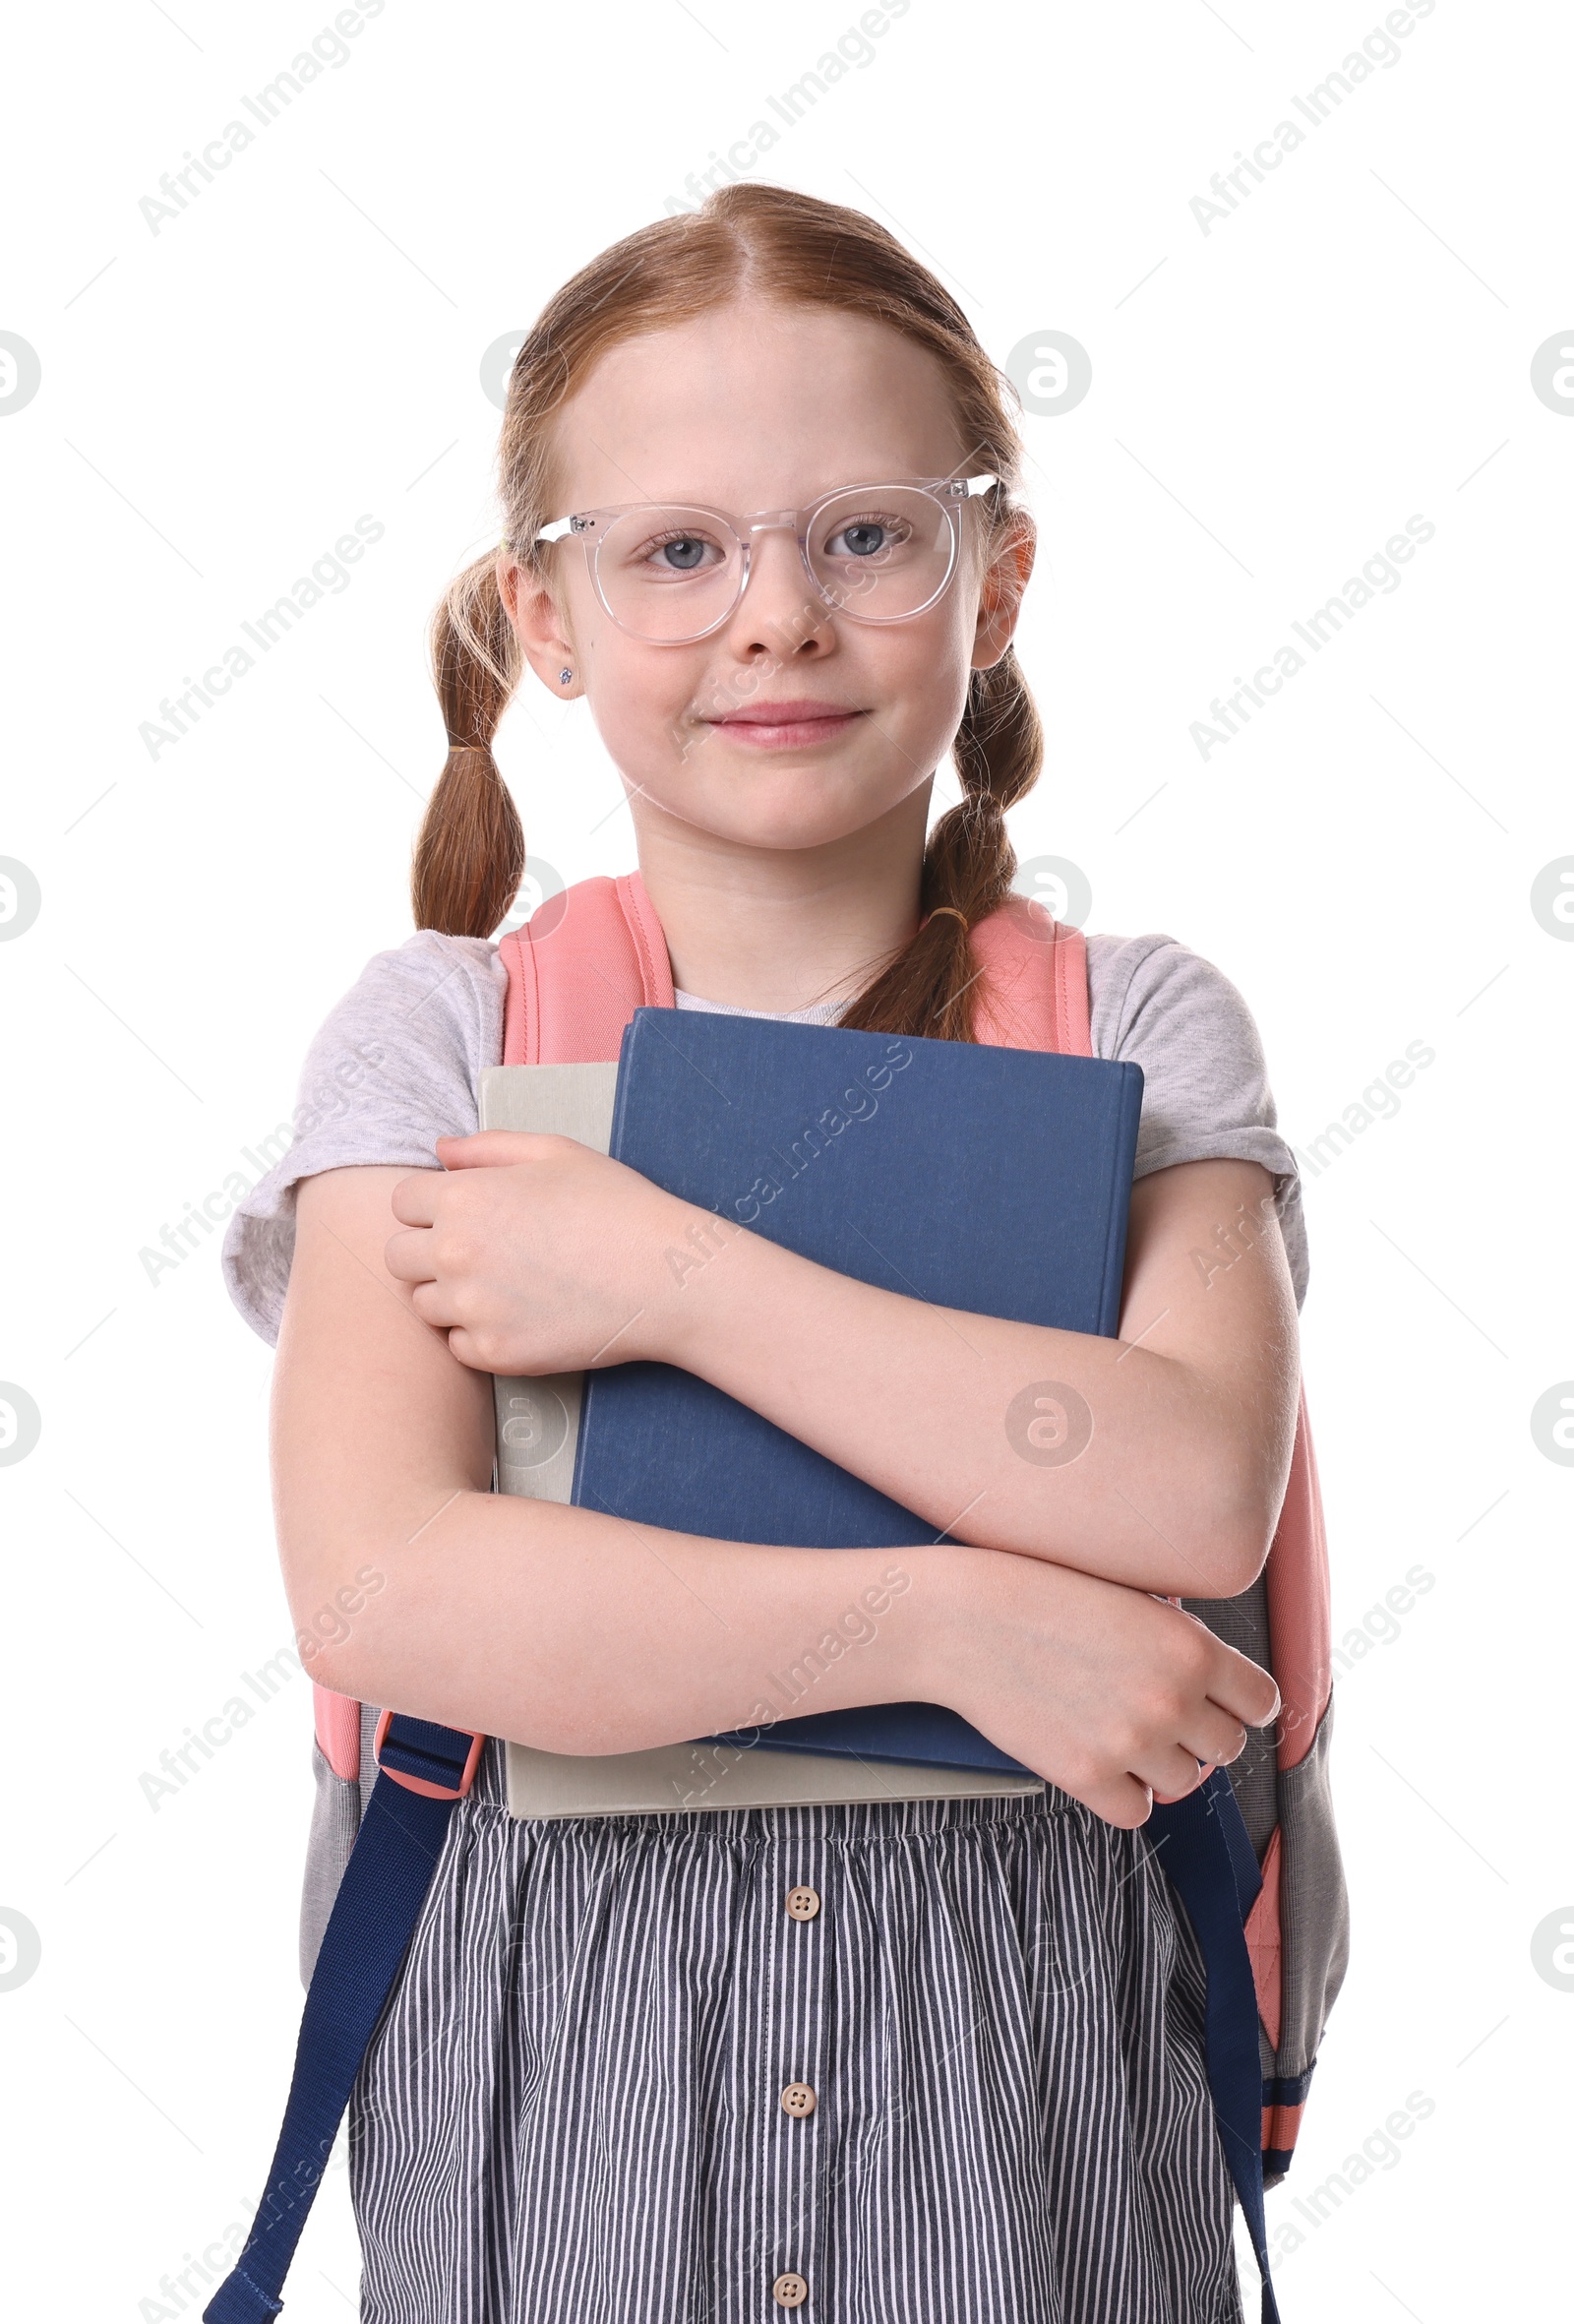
(620, 1108)
(1127, 1118)
(620, 1103)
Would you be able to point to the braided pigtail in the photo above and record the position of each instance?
(469, 856)
(968, 866)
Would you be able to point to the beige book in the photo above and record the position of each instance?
(537, 1433)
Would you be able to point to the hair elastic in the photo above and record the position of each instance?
(956, 913)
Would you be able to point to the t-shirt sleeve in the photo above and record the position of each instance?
(393, 1067)
(1205, 1090)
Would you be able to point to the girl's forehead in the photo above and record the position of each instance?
(755, 406)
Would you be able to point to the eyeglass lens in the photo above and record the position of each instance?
(669, 572)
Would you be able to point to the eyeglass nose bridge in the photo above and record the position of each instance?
(767, 521)
(745, 530)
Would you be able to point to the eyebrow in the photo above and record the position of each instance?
(868, 479)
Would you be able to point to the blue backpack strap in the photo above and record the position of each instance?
(424, 1770)
(1205, 1847)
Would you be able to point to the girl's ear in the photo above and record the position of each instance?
(999, 601)
(539, 624)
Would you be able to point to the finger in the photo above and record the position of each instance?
(1239, 1688)
(487, 1149)
(1127, 1805)
(434, 1305)
(1213, 1735)
(1169, 1771)
(414, 1199)
(1120, 1800)
(409, 1255)
(1235, 1682)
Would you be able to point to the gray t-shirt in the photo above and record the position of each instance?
(395, 1065)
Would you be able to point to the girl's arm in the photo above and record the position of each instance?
(575, 1632)
(545, 1256)
(1189, 1411)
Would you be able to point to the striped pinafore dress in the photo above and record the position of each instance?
(924, 2063)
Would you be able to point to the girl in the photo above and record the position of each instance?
(575, 2105)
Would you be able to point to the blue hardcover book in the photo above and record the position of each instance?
(981, 1178)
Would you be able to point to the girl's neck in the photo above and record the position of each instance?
(778, 928)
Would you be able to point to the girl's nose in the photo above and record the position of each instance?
(780, 610)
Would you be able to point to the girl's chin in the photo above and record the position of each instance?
(752, 810)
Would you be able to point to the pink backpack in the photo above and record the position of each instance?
(577, 972)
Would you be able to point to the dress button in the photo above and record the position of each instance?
(802, 1904)
(798, 2100)
(789, 2291)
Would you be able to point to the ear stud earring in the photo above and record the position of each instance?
(564, 676)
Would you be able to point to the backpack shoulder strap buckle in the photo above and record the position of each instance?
(438, 1762)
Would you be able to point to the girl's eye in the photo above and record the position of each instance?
(866, 536)
(680, 554)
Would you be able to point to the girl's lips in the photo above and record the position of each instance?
(785, 725)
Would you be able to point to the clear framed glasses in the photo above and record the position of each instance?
(670, 572)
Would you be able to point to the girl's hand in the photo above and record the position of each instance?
(1117, 1696)
(535, 1253)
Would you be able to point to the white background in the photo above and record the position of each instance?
(1271, 400)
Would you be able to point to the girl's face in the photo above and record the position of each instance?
(758, 405)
